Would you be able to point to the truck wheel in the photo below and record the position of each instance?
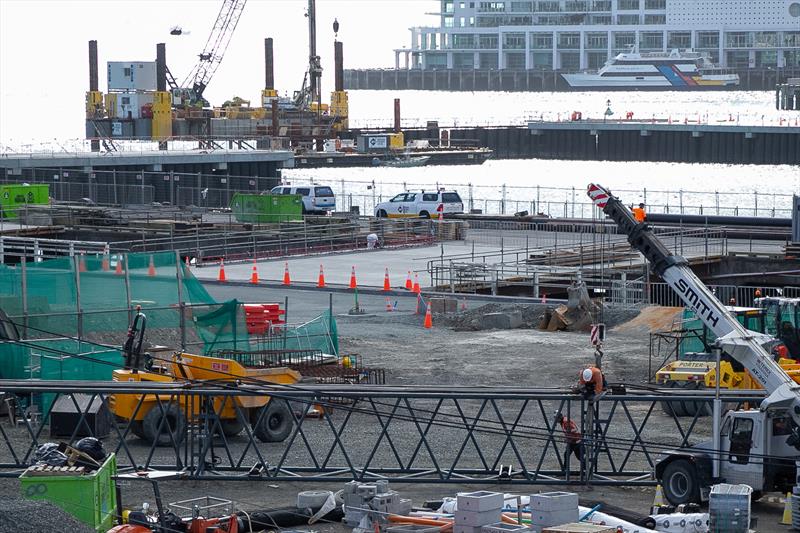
(137, 428)
(676, 408)
(381, 213)
(692, 408)
(680, 483)
(275, 423)
(231, 426)
(174, 424)
(424, 214)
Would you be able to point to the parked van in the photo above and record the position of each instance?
(426, 204)
(317, 199)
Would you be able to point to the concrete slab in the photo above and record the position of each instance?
(370, 265)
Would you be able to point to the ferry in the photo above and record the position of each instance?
(655, 71)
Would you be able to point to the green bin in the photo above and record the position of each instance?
(267, 208)
(91, 498)
(16, 196)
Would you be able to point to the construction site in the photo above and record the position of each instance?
(196, 338)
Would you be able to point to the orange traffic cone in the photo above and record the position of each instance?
(187, 264)
(544, 298)
(151, 268)
(386, 285)
(254, 275)
(416, 289)
(221, 276)
(388, 305)
(428, 324)
(82, 263)
(441, 212)
(286, 279)
(353, 284)
(118, 268)
(106, 266)
(321, 280)
(409, 286)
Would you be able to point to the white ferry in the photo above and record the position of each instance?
(655, 71)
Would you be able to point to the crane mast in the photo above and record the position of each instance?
(742, 344)
(214, 50)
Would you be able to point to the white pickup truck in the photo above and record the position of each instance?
(426, 204)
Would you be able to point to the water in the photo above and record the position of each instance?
(557, 187)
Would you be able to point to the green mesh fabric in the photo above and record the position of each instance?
(319, 333)
(222, 328)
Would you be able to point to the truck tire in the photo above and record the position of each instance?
(381, 213)
(137, 428)
(158, 434)
(698, 408)
(231, 426)
(680, 483)
(275, 424)
(424, 214)
(673, 408)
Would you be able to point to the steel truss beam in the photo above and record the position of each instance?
(406, 434)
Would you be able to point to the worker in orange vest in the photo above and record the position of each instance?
(639, 213)
(572, 436)
(592, 382)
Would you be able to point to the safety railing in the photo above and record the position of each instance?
(39, 249)
(405, 434)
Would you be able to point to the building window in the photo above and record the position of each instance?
(542, 60)
(488, 61)
(514, 41)
(627, 20)
(569, 41)
(624, 40)
(655, 4)
(738, 39)
(448, 22)
(595, 60)
(491, 7)
(448, 7)
(738, 59)
(436, 61)
(601, 5)
(596, 41)
(576, 5)
(651, 41)
(791, 39)
(655, 19)
(462, 41)
(628, 5)
(570, 61)
(525, 7)
(542, 41)
(515, 60)
(487, 42)
(547, 7)
(679, 39)
(462, 5)
(708, 39)
(600, 20)
(463, 61)
(472, 21)
(794, 9)
(126, 72)
(765, 39)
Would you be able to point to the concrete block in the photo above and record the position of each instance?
(367, 491)
(351, 487)
(412, 528)
(477, 519)
(443, 305)
(479, 501)
(554, 501)
(540, 519)
(403, 507)
(501, 321)
(502, 527)
(465, 529)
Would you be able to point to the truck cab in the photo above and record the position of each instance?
(755, 450)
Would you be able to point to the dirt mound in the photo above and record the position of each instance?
(650, 319)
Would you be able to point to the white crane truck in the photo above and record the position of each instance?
(757, 447)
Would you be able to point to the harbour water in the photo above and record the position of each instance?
(556, 187)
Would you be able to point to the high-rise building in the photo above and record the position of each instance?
(576, 35)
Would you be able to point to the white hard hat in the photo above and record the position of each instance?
(587, 374)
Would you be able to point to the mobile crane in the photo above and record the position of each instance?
(757, 447)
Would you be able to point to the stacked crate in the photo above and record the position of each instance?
(729, 508)
(261, 318)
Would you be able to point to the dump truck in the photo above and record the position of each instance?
(757, 447)
(163, 419)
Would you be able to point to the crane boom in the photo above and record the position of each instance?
(742, 344)
(215, 47)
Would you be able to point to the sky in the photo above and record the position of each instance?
(44, 52)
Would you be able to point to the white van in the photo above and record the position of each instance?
(316, 198)
(420, 204)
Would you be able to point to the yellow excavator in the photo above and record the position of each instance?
(694, 366)
(163, 419)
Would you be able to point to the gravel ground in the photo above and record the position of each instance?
(25, 516)
(412, 355)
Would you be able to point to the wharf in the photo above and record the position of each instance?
(437, 157)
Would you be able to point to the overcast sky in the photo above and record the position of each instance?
(43, 49)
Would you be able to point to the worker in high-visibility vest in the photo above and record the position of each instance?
(639, 213)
